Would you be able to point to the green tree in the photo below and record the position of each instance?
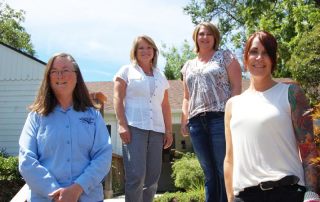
(11, 31)
(305, 64)
(175, 59)
(286, 19)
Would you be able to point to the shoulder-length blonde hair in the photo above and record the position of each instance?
(133, 52)
(46, 100)
(213, 29)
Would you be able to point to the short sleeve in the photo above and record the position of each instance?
(122, 73)
(166, 83)
(184, 69)
(164, 79)
(228, 57)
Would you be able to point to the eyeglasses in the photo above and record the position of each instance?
(65, 72)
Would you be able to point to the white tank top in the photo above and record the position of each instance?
(264, 144)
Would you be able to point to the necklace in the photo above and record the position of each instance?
(148, 73)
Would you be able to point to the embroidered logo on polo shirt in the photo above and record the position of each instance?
(88, 120)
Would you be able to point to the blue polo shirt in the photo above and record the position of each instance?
(64, 148)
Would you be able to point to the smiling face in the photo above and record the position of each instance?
(145, 52)
(205, 39)
(258, 62)
(63, 77)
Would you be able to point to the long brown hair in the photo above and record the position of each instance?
(46, 100)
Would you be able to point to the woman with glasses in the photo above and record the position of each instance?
(65, 149)
(209, 81)
(269, 134)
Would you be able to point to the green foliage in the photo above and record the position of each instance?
(286, 19)
(3, 153)
(175, 59)
(11, 31)
(305, 64)
(187, 173)
(9, 168)
(10, 178)
(117, 179)
(192, 196)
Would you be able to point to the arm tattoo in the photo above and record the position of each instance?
(303, 128)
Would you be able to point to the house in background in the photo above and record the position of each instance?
(180, 143)
(175, 98)
(20, 78)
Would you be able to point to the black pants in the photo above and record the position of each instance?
(293, 193)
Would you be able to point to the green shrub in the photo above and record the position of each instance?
(192, 196)
(117, 180)
(187, 173)
(10, 178)
(3, 153)
(9, 168)
(189, 177)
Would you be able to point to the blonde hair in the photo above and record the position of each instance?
(133, 52)
(213, 29)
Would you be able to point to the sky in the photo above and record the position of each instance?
(99, 33)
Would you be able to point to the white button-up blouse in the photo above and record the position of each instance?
(142, 109)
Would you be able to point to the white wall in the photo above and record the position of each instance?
(15, 97)
(20, 78)
(110, 119)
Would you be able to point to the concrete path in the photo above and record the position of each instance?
(115, 199)
(121, 199)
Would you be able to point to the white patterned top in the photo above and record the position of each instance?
(208, 84)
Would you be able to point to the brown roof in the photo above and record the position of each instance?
(105, 87)
(175, 92)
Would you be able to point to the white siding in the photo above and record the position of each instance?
(116, 140)
(20, 78)
(15, 97)
(115, 137)
(16, 66)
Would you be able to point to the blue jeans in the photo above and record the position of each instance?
(208, 140)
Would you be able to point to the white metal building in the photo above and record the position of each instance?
(20, 78)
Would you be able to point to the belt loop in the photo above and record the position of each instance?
(264, 189)
(203, 114)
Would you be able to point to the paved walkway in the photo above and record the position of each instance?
(121, 199)
(115, 199)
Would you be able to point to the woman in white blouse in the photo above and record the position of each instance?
(142, 107)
